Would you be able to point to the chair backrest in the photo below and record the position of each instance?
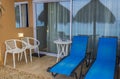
(30, 41)
(107, 48)
(25, 39)
(79, 46)
(10, 44)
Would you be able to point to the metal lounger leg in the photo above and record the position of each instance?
(81, 75)
(54, 74)
(74, 74)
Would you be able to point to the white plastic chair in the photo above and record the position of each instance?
(13, 46)
(32, 43)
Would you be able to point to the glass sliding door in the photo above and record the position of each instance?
(110, 19)
(64, 19)
(52, 23)
(58, 23)
(41, 24)
(110, 22)
(96, 18)
(82, 22)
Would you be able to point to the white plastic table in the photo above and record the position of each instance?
(62, 48)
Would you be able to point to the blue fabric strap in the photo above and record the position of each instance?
(104, 66)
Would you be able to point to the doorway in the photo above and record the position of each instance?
(41, 13)
(52, 22)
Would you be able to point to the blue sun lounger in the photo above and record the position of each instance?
(105, 64)
(68, 64)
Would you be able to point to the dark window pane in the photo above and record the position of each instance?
(17, 14)
(21, 13)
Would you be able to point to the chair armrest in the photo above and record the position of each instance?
(24, 44)
(37, 42)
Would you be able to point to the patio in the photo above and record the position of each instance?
(38, 68)
(72, 24)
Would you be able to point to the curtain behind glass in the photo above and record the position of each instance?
(80, 25)
(82, 22)
(24, 15)
(17, 16)
(21, 13)
(111, 26)
(58, 23)
(96, 18)
(52, 32)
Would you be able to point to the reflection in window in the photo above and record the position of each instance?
(39, 8)
(21, 13)
(41, 14)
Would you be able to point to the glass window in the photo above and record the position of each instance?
(21, 14)
(40, 15)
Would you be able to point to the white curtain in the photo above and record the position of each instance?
(24, 15)
(109, 25)
(58, 23)
(96, 18)
(110, 29)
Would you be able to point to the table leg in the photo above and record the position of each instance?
(58, 52)
(66, 50)
(63, 49)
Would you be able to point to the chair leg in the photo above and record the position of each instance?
(25, 56)
(18, 57)
(21, 57)
(31, 55)
(5, 58)
(57, 57)
(13, 60)
(74, 75)
(81, 74)
(38, 52)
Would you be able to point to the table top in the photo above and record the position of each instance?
(62, 42)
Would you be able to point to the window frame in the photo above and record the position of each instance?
(20, 13)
